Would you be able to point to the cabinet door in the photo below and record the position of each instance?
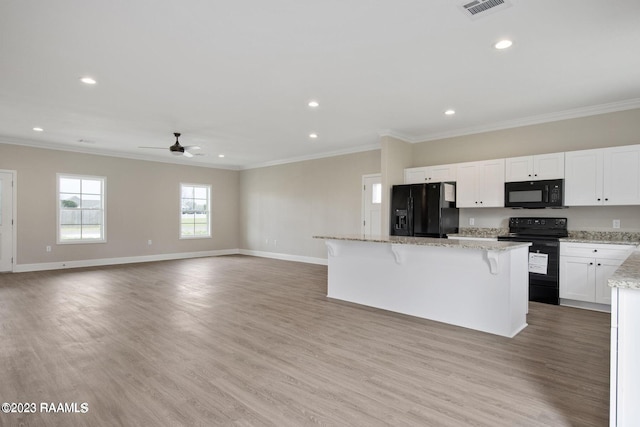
(577, 278)
(622, 175)
(442, 173)
(583, 178)
(604, 270)
(467, 185)
(491, 183)
(548, 166)
(415, 175)
(519, 169)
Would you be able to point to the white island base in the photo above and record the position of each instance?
(482, 287)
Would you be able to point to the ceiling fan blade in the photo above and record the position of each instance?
(155, 148)
(187, 154)
(192, 147)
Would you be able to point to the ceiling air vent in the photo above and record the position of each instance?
(479, 8)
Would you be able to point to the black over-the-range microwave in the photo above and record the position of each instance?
(534, 194)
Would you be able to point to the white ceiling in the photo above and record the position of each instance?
(235, 76)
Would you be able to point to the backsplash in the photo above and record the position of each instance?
(581, 218)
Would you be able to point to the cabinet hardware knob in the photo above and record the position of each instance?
(535, 175)
(529, 174)
(590, 263)
(599, 199)
(595, 250)
(606, 200)
(599, 264)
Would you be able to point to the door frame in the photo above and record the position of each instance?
(14, 215)
(363, 202)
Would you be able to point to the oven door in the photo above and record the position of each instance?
(544, 285)
(544, 268)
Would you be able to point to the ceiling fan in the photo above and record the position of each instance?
(177, 149)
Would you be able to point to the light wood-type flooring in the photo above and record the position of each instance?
(245, 341)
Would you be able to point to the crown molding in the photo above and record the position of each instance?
(352, 150)
(98, 152)
(397, 135)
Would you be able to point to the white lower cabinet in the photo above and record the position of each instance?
(585, 269)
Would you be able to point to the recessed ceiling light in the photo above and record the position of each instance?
(313, 135)
(450, 112)
(503, 44)
(313, 103)
(88, 80)
(37, 129)
(221, 155)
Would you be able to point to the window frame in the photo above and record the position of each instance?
(103, 209)
(209, 234)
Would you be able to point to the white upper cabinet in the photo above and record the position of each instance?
(621, 184)
(608, 176)
(480, 184)
(441, 173)
(534, 168)
(415, 175)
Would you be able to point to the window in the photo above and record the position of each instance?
(81, 209)
(195, 219)
(376, 193)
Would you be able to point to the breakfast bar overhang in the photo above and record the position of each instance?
(481, 285)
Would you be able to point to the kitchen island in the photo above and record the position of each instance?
(481, 285)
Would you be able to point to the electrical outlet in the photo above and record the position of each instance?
(149, 242)
(616, 223)
(48, 248)
(472, 221)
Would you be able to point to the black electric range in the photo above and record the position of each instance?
(544, 264)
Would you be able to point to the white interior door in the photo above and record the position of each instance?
(6, 221)
(371, 205)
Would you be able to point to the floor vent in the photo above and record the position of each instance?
(479, 8)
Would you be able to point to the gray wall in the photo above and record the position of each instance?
(143, 203)
(605, 130)
(283, 206)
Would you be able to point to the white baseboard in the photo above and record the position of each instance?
(285, 257)
(588, 305)
(43, 266)
(22, 268)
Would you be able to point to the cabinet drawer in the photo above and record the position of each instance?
(601, 251)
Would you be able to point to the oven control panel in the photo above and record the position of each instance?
(542, 226)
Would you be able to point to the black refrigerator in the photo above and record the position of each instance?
(424, 210)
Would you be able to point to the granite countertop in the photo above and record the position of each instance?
(429, 241)
(484, 233)
(628, 274)
(608, 237)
